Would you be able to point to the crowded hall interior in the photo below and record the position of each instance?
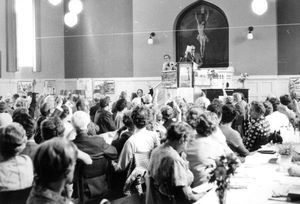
(149, 101)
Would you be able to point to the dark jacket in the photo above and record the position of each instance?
(93, 111)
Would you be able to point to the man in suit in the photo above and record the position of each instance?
(192, 56)
(103, 118)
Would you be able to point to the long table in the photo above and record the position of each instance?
(255, 181)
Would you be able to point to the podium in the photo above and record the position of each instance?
(215, 93)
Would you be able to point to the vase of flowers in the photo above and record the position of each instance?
(285, 156)
(225, 168)
(243, 78)
(212, 74)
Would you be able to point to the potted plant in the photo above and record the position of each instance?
(243, 78)
(225, 167)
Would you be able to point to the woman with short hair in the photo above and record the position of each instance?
(204, 149)
(169, 174)
(16, 171)
(54, 165)
(257, 129)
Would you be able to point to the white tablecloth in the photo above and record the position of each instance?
(255, 182)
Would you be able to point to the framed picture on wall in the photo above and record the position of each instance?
(185, 74)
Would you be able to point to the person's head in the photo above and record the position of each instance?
(80, 121)
(193, 49)
(121, 104)
(257, 109)
(147, 99)
(192, 116)
(228, 113)
(133, 96)
(21, 103)
(3, 107)
(104, 102)
(45, 109)
(167, 112)
(217, 101)
(179, 133)
(139, 92)
(65, 113)
(123, 95)
(12, 140)
(82, 105)
(275, 103)
(228, 100)
(167, 57)
(140, 116)
(285, 99)
(240, 109)
(206, 124)
(52, 127)
(54, 162)
(216, 108)
(5, 119)
(22, 117)
(269, 107)
(127, 120)
(15, 97)
(237, 97)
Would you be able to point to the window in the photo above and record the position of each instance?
(21, 31)
(25, 31)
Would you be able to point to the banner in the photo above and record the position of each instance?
(169, 79)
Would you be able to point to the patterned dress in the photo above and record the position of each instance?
(256, 133)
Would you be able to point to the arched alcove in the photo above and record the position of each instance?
(211, 29)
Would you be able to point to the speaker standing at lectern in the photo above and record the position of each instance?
(191, 56)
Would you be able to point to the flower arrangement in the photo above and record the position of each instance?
(285, 149)
(243, 77)
(212, 74)
(225, 167)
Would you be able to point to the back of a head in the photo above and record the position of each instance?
(269, 107)
(228, 113)
(5, 119)
(127, 120)
(140, 116)
(192, 115)
(123, 95)
(285, 99)
(215, 108)
(3, 107)
(12, 140)
(147, 99)
(237, 97)
(104, 102)
(167, 112)
(275, 103)
(22, 117)
(258, 107)
(65, 112)
(54, 161)
(52, 127)
(45, 109)
(80, 120)
(121, 104)
(206, 124)
(178, 131)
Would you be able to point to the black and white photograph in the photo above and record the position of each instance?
(149, 101)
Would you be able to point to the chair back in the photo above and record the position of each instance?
(15, 197)
(92, 181)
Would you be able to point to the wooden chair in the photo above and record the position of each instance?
(93, 181)
(15, 197)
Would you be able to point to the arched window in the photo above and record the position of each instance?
(205, 26)
(22, 46)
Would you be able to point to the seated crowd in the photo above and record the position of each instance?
(66, 149)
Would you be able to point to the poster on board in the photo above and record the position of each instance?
(50, 86)
(87, 86)
(169, 79)
(185, 75)
(104, 87)
(23, 87)
(294, 85)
